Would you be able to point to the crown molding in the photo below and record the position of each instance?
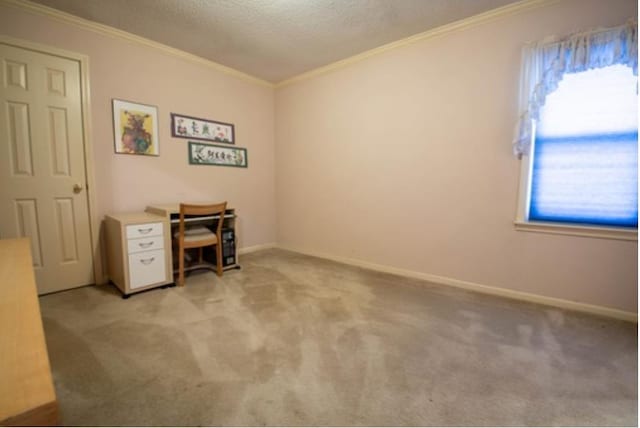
(510, 9)
(106, 30)
(462, 24)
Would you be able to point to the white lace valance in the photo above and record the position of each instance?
(545, 63)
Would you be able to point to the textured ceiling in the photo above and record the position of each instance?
(274, 39)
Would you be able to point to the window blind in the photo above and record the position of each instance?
(585, 157)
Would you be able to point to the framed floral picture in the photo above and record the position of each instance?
(135, 128)
(202, 129)
(212, 154)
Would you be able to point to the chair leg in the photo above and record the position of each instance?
(219, 260)
(200, 259)
(181, 267)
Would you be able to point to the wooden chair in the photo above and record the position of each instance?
(199, 236)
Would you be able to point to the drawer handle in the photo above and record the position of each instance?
(145, 244)
(145, 231)
(147, 261)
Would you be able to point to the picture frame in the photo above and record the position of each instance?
(135, 128)
(213, 154)
(195, 128)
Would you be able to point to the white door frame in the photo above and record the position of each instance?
(83, 60)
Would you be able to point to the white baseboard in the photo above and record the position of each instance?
(472, 286)
(253, 248)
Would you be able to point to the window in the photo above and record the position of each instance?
(577, 134)
(584, 157)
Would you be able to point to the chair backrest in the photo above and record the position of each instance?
(203, 210)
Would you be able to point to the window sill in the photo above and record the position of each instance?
(575, 230)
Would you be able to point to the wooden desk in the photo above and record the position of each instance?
(27, 396)
(172, 212)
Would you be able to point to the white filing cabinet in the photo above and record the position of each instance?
(138, 251)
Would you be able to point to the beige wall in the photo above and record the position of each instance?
(130, 71)
(404, 160)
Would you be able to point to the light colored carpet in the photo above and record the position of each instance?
(295, 340)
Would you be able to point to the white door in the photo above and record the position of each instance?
(42, 171)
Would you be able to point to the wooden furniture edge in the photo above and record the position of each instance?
(44, 415)
(27, 393)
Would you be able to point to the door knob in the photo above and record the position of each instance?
(77, 188)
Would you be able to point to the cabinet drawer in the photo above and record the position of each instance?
(145, 244)
(142, 230)
(146, 268)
